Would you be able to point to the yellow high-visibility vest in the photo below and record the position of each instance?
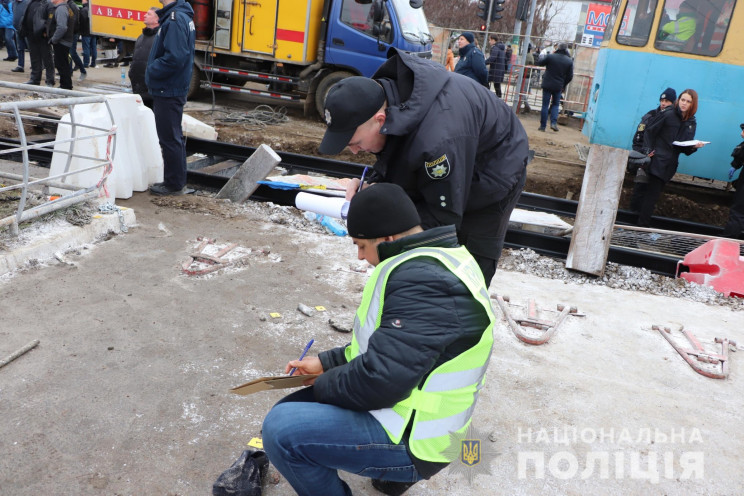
(443, 406)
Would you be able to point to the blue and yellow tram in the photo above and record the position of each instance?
(653, 44)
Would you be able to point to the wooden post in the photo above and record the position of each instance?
(595, 216)
(256, 168)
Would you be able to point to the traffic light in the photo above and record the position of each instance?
(523, 8)
(483, 6)
(482, 27)
(497, 7)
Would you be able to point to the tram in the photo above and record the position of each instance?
(650, 45)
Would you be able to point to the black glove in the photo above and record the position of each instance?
(637, 160)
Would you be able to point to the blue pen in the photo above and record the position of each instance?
(304, 352)
(361, 182)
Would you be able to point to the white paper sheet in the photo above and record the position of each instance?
(324, 205)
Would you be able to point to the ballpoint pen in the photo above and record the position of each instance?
(304, 352)
(361, 181)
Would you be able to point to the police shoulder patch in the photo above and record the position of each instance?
(439, 168)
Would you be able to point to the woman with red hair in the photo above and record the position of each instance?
(673, 124)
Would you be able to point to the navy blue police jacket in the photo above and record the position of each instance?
(171, 59)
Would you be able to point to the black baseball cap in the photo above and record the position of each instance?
(349, 103)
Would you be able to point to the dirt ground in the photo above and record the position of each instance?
(127, 393)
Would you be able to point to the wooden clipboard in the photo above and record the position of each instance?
(268, 383)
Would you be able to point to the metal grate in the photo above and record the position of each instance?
(672, 244)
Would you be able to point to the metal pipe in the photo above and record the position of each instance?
(52, 103)
(43, 89)
(65, 202)
(32, 181)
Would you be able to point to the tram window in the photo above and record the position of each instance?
(697, 27)
(636, 22)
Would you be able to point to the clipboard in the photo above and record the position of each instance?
(268, 383)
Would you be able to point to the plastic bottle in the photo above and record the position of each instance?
(123, 77)
(332, 225)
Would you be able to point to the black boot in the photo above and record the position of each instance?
(391, 488)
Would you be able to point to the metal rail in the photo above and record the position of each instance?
(541, 243)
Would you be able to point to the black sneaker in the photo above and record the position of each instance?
(391, 488)
(17, 69)
(10, 59)
(541, 128)
(554, 127)
(162, 189)
(34, 83)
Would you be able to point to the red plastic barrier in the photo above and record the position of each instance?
(717, 264)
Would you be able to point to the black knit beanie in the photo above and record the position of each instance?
(380, 210)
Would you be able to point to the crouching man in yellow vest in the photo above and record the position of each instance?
(394, 404)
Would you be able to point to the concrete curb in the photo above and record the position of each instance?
(43, 249)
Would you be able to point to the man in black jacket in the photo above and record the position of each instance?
(666, 100)
(558, 73)
(389, 405)
(455, 147)
(34, 28)
(735, 225)
(497, 63)
(142, 48)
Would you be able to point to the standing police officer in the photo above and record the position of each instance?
(455, 147)
(168, 77)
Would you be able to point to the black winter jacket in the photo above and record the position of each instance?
(428, 318)
(497, 63)
(138, 67)
(558, 70)
(638, 137)
(472, 64)
(660, 132)
(452, 144)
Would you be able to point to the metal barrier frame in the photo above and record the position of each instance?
(77, 195)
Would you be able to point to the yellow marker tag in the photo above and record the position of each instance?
(275, 315)
(320, 308)
(256, 442)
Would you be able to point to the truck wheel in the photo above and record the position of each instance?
(325, 85)
(195, 82)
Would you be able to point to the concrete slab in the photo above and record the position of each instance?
(49, 239)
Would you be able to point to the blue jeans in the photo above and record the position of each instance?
(90, 52)
(21, 46)
(10, 42)
(552, 99)
(74, 57)
(309, 442)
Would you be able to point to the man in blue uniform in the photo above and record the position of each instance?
(168, 78)
(455, 147)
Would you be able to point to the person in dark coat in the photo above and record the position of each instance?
(735, 225)
(558, 73)
(19, 11)
(472, 62)
(142, 48)
(508, 56)
(168, 77)
(433, 337)
(60, 33)
(90, 42)
(457, 149)
(34, 27)
(497, 63)
(666, 100)
(673, 124)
